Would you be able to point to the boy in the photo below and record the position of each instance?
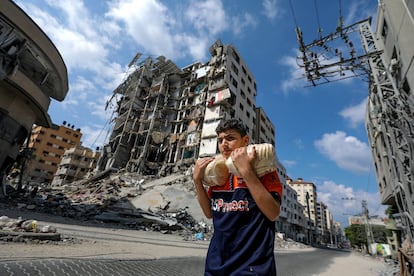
(244, 209)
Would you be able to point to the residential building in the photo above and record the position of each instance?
(322, 225)
(76, 163)
(265, 130)
(32, 72)
(48, 146)
(292, 221)
(231, 94)
(166, 116)
(307, 196)
(337, 234)
(390, 117)
(330, 225)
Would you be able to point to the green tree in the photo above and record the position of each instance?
(356, 234)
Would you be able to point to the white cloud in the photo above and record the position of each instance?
(94, 136)
(299, 143)
(174, 33)
(147, 22)
(97, 107)
(360, 9)
(355, 114)
(296, 78)
(207, 17)
(289, 163)
(343, 201)
(346, 151)
(270, 9)
(242, 23)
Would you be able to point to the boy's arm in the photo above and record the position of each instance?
(269, 206)
(202, 196)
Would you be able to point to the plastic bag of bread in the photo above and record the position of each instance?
(218, 171)
(264, 163)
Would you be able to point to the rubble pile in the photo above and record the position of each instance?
(287, 243)
(134, 201)
(167, 205)
(23, 229)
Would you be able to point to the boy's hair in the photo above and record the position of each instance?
(231, 124)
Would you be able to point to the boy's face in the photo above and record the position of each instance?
(230, 140)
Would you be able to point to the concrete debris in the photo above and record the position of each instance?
(289, 243)
(165, 204)
(21, 229)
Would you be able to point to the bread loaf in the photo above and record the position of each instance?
(216, 172)
(264, 163)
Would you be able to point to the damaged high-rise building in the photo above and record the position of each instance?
(166, 116)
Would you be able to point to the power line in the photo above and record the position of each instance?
(293, 14)
(317, 18)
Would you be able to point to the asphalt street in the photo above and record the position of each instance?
(101, 250)
(306, 263)
(108, 267)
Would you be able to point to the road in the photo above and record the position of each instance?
(93, 249)
(298, 264)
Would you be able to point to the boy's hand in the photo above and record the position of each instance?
(244, 160)
(200, 167)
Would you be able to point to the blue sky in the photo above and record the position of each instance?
(320, 134)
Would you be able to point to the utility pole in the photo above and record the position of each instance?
(368, 228)
(309, 220)
(389, 114)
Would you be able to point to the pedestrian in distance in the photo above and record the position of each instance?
(244, 209)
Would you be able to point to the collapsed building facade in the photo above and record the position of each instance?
(32, 72)
(166, 117)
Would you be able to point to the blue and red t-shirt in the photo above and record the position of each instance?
(243, 239)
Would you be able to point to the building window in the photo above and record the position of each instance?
(406, 86)
(384, 32)
(234, 83)
(243, 95)
(241, 107)
(234, 68)
(236, 56)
